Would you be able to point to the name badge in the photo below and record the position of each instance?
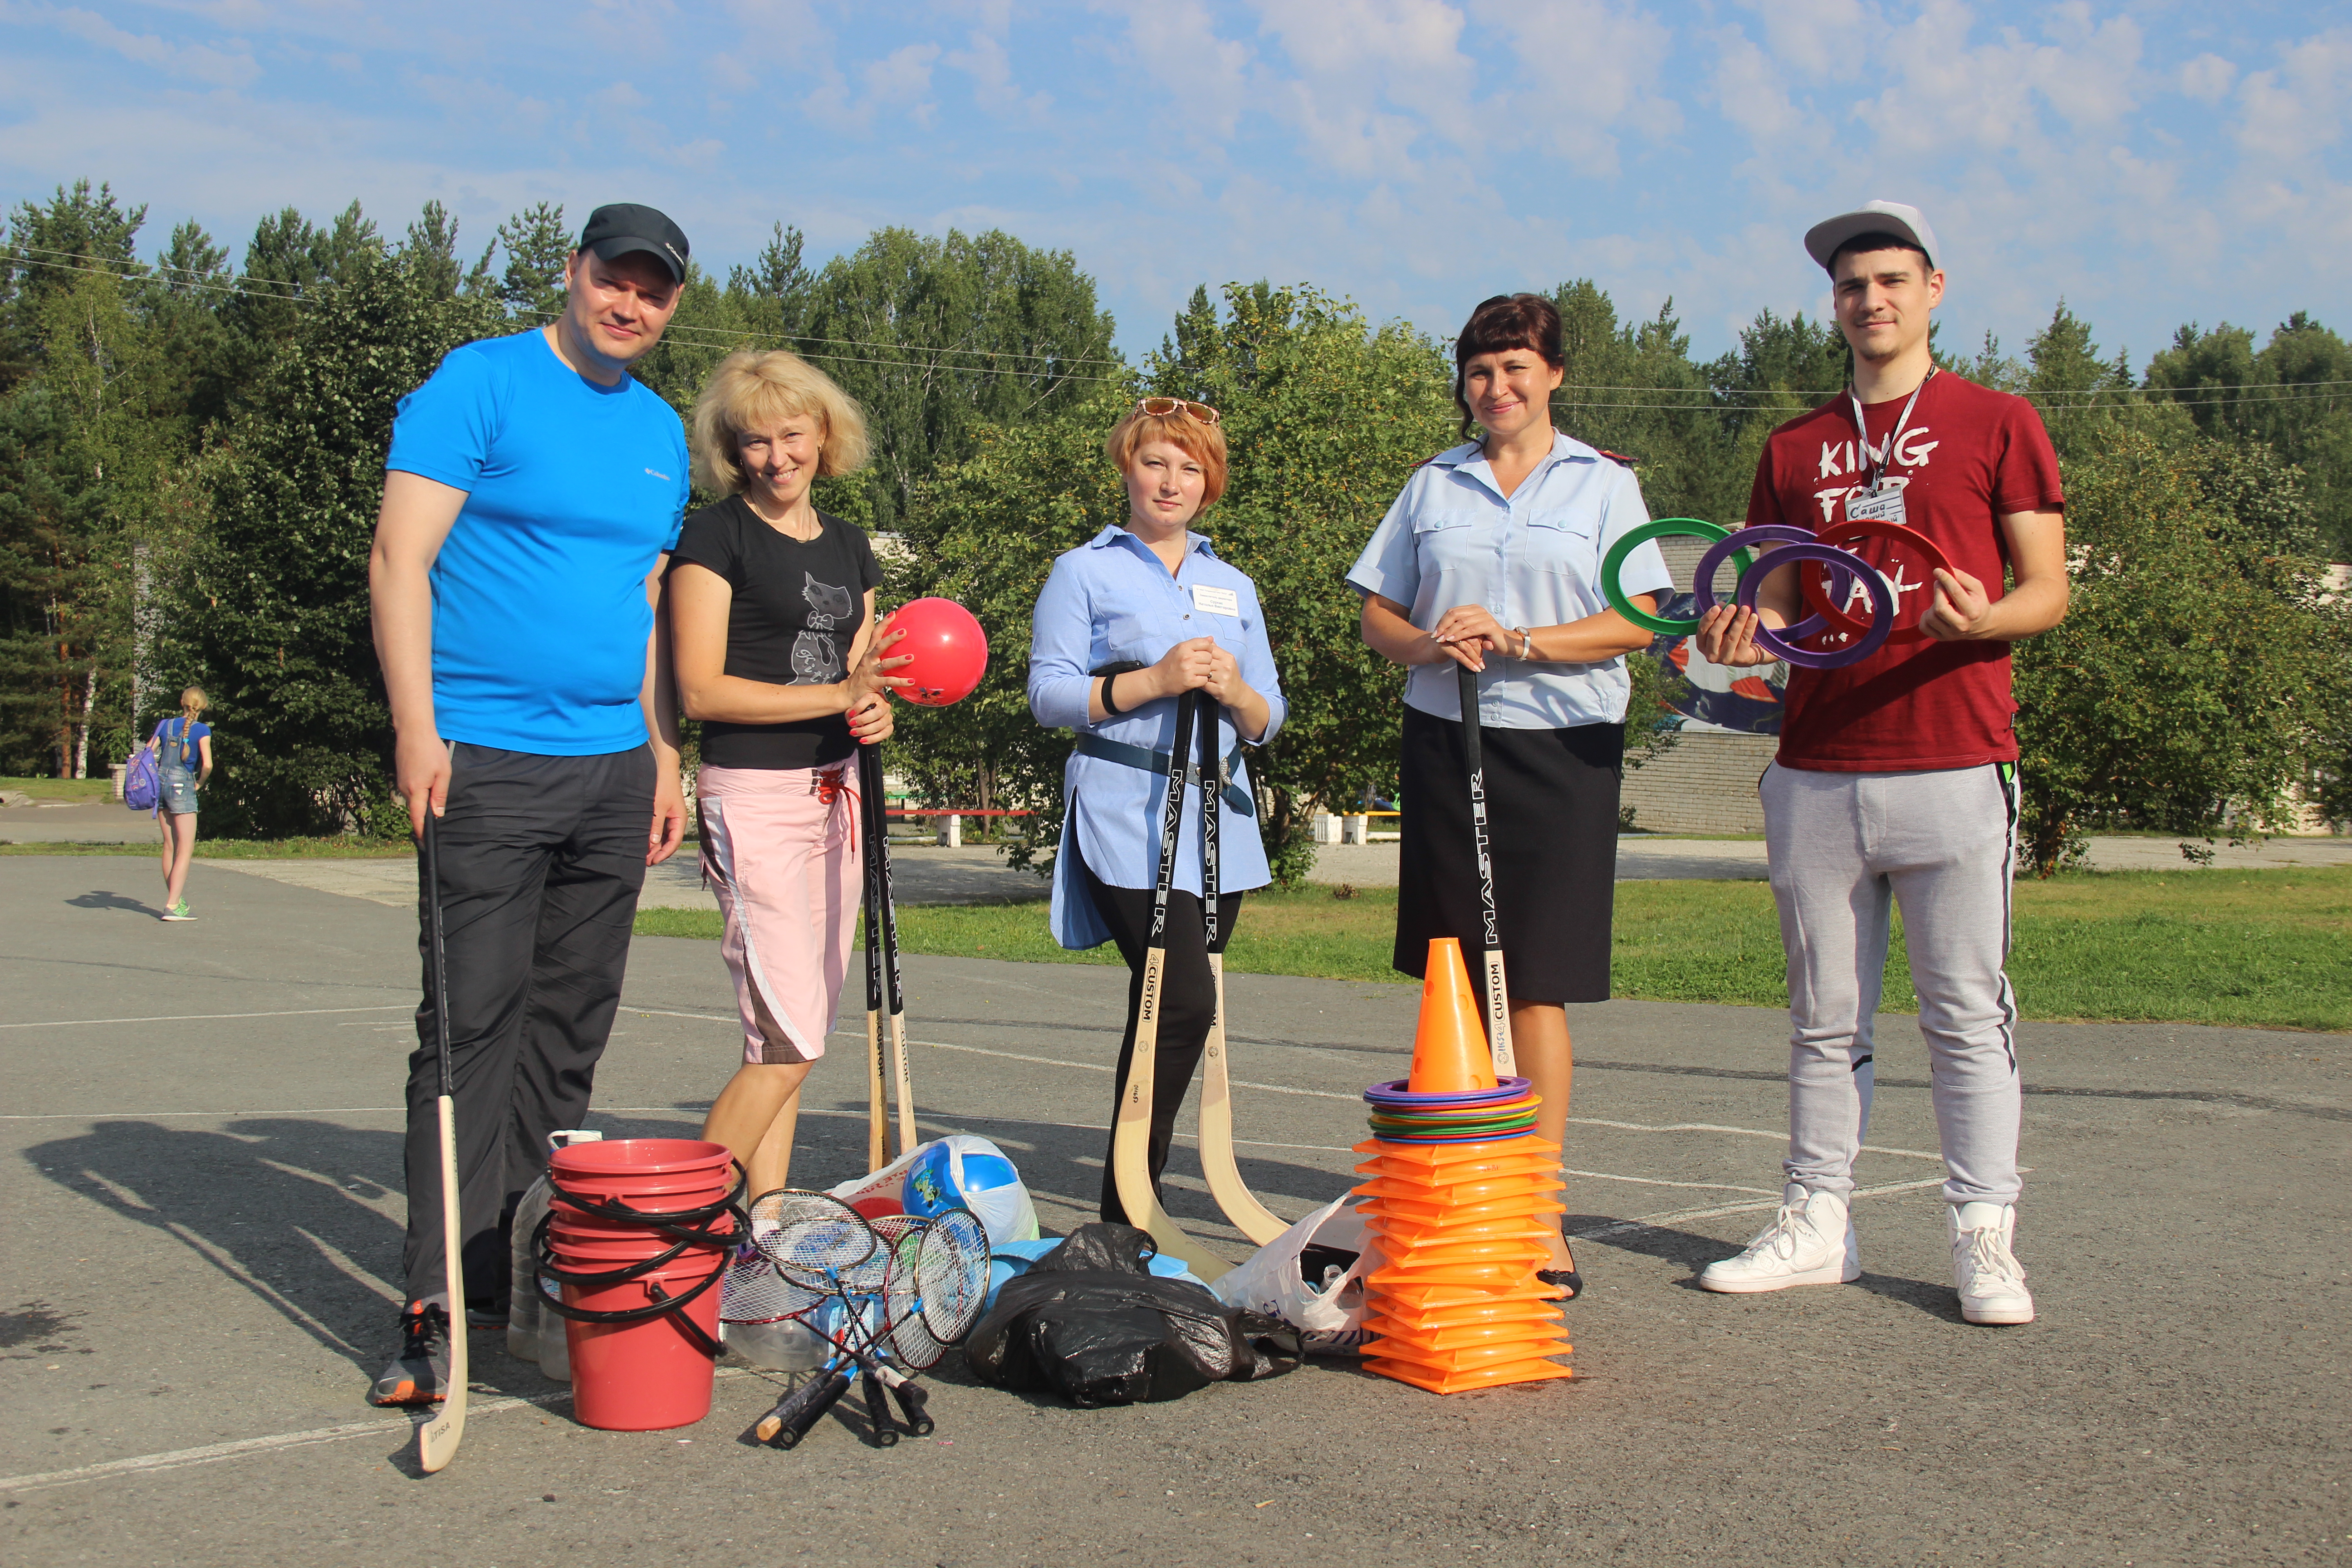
(1215, 601)
(1876, 505)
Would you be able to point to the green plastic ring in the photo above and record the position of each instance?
(1615, 562)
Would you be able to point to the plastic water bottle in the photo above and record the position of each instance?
(530, 1326)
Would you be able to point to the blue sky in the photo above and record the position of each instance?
(2152, 162)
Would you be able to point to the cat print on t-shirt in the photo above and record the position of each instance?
(817, 658)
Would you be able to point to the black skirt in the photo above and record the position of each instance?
(1551, 814)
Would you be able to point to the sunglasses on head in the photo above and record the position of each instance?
(1160, 408)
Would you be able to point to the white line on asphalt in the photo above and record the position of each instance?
(249, 1111)
(1743, 1131)
(1656, 1181)
(204, 1017)
(212, 1453)
(1658, 1221)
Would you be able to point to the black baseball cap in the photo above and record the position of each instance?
(616, 230)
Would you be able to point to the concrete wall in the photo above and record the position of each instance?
(1706, 785)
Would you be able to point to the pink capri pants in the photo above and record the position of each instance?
(780, 850)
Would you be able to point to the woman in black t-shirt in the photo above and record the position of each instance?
(771, 612)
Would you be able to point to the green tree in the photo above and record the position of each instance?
(2200, 674)
(937, 337)
(2296, 393)
(2085, 400)
(275, 622)
(50, 244)
(537, 244)
(1633, 388)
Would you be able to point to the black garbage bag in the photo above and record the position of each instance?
(1089, 1323)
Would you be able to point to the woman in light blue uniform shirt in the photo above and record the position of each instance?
(1130, 620)
(1491, 558)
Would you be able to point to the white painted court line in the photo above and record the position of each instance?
(1659, 1221)
(1743, 1131)
(212, 1453)
(205, 1017)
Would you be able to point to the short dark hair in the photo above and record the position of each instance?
(1877, 239)
(1505, 321)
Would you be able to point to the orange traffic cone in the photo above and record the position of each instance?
(1455, 1304)
(1449, 1048)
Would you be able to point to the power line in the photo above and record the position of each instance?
(244, 286)
(713, 336)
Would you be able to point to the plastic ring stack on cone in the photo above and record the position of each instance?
(1461, 1194)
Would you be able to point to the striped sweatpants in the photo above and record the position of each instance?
(1845, 848)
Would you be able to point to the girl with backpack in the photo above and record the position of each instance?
(183, 746)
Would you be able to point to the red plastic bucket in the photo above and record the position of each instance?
(645, 1377)
(660, 1175)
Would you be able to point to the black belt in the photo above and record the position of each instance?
(1119, 752)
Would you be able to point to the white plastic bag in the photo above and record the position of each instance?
(1329, 1322)
(959, 1168)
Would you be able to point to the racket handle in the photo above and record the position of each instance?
(798, 1411)
(913, 1404)
(877, 1413)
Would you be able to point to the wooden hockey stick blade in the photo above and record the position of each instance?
(1131, 1144)
(1248, 1215)
(877, 1124)
(437, 1440)
(903, 1077)
(1498, 1018)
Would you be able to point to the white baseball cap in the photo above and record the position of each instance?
(1824, 238)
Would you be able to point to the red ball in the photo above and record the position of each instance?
(949, 649)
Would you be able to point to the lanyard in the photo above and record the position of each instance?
(1862, 431)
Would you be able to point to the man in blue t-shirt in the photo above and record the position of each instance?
(530, 501)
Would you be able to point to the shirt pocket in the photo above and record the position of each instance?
(1129, 635)
(1450, 539)
(1565, 546)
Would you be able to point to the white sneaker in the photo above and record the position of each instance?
(1991, 1280)
(1810, 1242)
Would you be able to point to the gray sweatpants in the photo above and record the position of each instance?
(1944, 845)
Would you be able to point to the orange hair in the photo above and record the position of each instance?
(1205, 444)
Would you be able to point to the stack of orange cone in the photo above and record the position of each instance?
(1460, 1193)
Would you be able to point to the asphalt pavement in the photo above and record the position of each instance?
(199, 1236)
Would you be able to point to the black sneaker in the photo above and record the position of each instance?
(419, 1375)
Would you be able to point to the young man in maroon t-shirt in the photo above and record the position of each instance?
(1897, 774)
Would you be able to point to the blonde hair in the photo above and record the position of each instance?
(756, 387)
(1204, 443)
(191, 700)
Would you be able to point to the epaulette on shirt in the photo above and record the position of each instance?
(1614, 457)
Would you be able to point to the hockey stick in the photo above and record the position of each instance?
(1130, 1146)
(876, 823)
(437, 1440)
(1490, 940)
(894, 994)
(1248, 1215)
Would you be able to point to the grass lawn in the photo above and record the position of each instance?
(335, 848)
(2268, 949)
(79, 791)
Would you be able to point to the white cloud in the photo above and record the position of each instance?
(231, 66)
(989, 65)
(2207, 77)
(1587, 71)
(1207, 74)
(1817, 37)
(2292, 112)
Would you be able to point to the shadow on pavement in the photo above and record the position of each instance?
(106, 899)
(299, 1212)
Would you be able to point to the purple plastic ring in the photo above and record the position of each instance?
(1882, 608)
(1703, 581)
(1395, 1093)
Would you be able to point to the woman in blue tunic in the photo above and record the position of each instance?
(1130, 621)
